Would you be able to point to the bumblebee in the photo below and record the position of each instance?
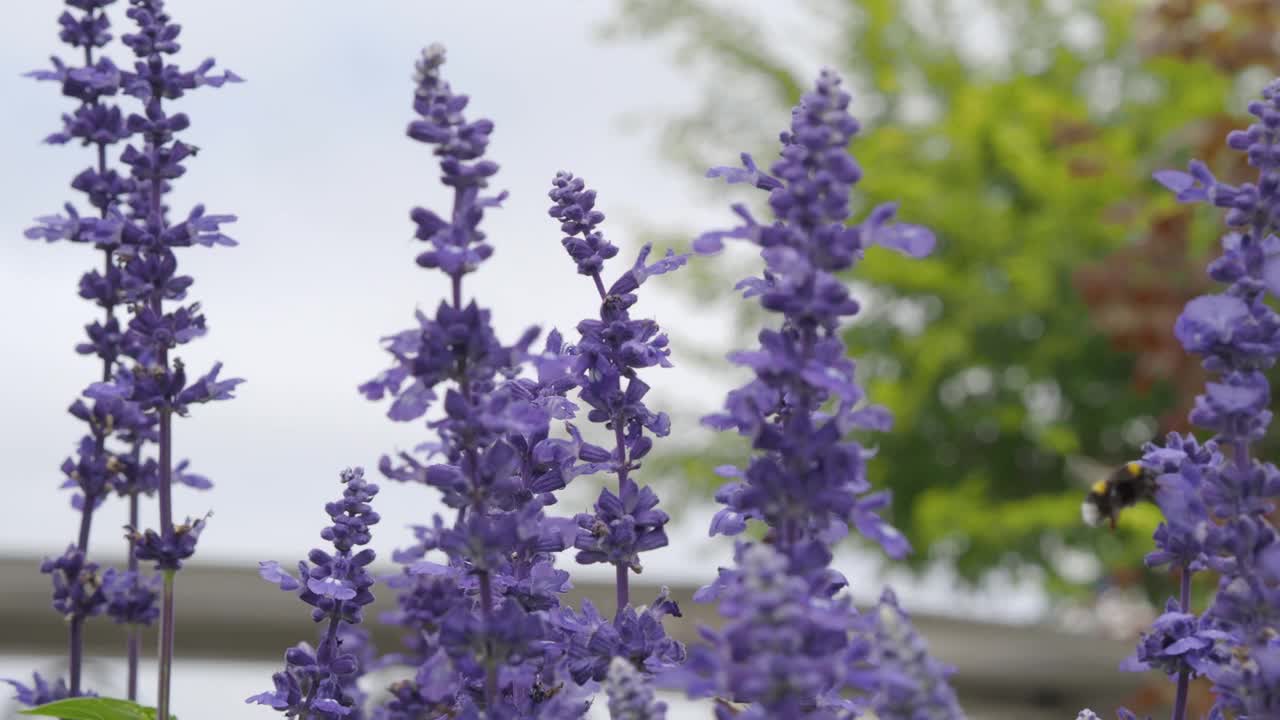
(1125, 487)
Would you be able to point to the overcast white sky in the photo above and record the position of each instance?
(311, 154)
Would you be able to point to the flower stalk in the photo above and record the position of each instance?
(612, 349)
(792, 645)
(96, 123)
(1214, 496)
(321, 683)
(167, 631)
(157, 383)
(478, 595)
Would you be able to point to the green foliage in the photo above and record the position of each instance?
(986, 353)
(94, 708)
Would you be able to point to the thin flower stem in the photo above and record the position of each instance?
(1242, 455)
(156, 221)
(75, 639)
(455, 279)
(623, 575)
(166, 647)
(86, 522)
(167, 625)
(133, 645)
(75, 655)
(166, 472)
(1184, 675)
(107, 258)
(623, 586)
(465, 388)
(486, 589)
(790, 529)
(134, 641)
(595, 277)
(165, 490)
(76, 652)
(325, 650)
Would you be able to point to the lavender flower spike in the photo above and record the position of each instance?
(479, 595)
(1216, 497)
(792, 645)
(607, 359)
(630, 695)
(907, 683)
(96, 122)
(156, 381)
(319, 683)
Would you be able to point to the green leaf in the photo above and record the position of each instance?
(93, 708)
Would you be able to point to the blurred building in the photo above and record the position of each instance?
(228, 614)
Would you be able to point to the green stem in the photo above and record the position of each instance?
(166, 647)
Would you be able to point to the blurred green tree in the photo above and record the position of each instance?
(1024, 132)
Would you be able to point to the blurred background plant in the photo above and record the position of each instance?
(1035, 348)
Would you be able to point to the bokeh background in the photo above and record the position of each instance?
(1030, 353)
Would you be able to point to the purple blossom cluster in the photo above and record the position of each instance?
(1215, 497)
(127, 446)
(320, 683)
(98, 466)
(479, 595)
(605, 365)
(630, 697)
(791, 645)
(42, 691)
(900, 676)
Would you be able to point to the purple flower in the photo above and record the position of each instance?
(457, 246)
(170, 547)
(1187, 537)
(1210, 322)
(611, 350)
(1216, 497)
(432, 693)
(128, 225)
(110, 415)
(96, 123)
(781, 648)
(805, 360)
(77, 589)
(635, 635)
(791, 647)
(40, 691)
(321, 683)
(91, 472)
(1174, 644)
(575, 209)
(631, 695)
(1249, 679)
(131, 597)
(207, 388)
(621, 528)
(477, 593)
(151, 282)
(906, 682)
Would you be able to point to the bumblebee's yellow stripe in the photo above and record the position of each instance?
(1134, 468)
(1100, 487)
